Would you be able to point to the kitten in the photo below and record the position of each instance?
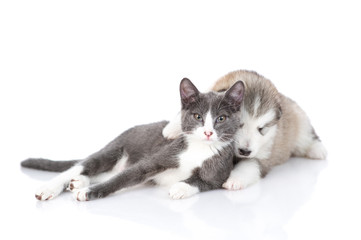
(200, 159)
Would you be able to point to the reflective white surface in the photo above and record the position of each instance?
(300, 199)
(73, 75)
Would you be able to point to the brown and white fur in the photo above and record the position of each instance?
(272, 129)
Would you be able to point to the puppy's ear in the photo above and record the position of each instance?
(188, 92)
(235, 94)
(279, 113)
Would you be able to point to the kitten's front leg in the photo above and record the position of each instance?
(209, 176)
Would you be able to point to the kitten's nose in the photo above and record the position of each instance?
(244, 152)
(208, 133)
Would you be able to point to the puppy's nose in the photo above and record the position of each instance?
(244, 152)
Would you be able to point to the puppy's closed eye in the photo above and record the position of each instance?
(263, 130)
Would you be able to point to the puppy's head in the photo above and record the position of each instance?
(256, 132)
(259, 116)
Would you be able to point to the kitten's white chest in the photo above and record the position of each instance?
(191, 158)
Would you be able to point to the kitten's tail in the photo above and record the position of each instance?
(48, 165)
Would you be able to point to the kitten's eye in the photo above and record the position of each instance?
(241, 125)
(198, 117)
(221, 119)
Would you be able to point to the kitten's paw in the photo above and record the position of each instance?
(44, 195)
(81, 195)
(47, 193)
(317, 151)
(78, 182)
(182, 190)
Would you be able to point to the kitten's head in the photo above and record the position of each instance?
(210, 117)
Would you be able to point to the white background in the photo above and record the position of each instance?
(75, 74)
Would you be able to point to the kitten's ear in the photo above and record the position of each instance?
(188, 91)
(235, 94)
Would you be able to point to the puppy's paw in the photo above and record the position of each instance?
(78, 182)
(244, 174)
(172, 130)
(238, 182)
(182, 190)
(317, 151)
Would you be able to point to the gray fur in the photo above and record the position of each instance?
(138, 142)
(263, 94)
(48, 165)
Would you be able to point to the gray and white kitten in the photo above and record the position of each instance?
(199, 160)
